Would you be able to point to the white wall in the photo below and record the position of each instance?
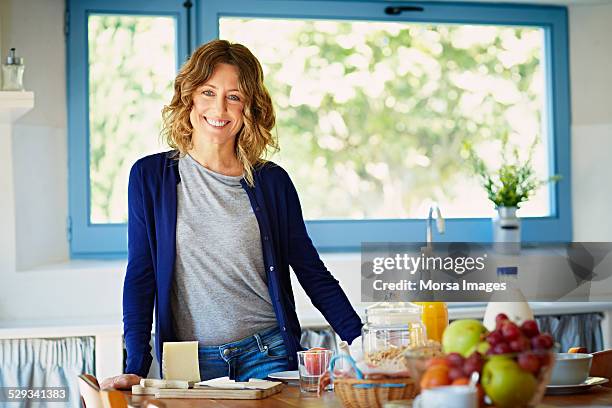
(35, 28)
(78, 289)
(591, 69)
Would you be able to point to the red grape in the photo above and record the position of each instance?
(473, 363)
(542, 342)
(455, 359)
(499, 319)
(501, 316)
(501, 348)
(549, 339)
(520, 344)
(529, 362)
(455, 373)
(545, 359)
(510, 331)
(475, 356)
(530, 328)
(495, 337)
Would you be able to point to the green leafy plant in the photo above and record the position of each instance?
(514, 182)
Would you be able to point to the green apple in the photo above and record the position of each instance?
(481, 347)
(506, 384)
(461, 336)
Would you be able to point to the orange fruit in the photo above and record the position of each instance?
(435, 376)
(461, 381)
(434, 361)
(577, 350)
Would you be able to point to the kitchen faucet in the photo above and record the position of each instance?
(433, 208)
(427, 250)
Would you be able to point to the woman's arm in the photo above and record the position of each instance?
(322, 288)
(139, 284)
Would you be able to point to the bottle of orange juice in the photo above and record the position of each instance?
(435, 319)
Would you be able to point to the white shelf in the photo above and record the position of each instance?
(13, 105)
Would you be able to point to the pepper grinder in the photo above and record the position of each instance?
(12, 72)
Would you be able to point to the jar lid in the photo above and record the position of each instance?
(393, 313)
(12, 59)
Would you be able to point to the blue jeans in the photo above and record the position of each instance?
(255, 356)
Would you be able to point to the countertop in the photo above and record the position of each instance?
(292, 397)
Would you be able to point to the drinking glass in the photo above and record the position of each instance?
(312, 364)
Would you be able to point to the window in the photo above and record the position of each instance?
(372, 111)
(120, 74)
(372, 115)
(373, 108)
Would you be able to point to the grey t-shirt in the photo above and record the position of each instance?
(220, 289)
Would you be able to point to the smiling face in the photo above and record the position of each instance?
(217, 113)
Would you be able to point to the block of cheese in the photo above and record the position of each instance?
(140, 390)
(180, 361)
(156, 383)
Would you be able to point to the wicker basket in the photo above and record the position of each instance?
(369, 393)
(354, 393)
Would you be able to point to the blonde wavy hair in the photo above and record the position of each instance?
(254, 140)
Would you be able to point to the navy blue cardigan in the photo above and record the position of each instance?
(285, 242)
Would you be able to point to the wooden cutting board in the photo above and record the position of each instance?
(219, 393)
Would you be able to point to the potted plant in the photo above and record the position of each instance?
(513, 183)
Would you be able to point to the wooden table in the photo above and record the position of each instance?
(291, 397)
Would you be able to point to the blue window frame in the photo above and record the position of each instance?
(108, 240)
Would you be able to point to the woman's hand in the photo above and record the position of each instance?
(120, 382)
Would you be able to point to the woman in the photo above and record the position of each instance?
(213, 229)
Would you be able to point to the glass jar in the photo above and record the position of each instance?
(12, 72)
(389, 331)
(435, 319)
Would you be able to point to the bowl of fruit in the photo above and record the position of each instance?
(513, 362)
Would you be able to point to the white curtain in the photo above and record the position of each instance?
(578, 330)
(46, 363)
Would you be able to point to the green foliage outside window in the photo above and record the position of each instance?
(372, 116)
(132, 63)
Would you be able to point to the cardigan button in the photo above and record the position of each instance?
(271, 268)
(256, 208)
(265, 237)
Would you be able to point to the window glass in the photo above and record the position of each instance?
(132, 65)
(372, 116)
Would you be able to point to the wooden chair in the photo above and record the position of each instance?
(90, 391)
(601, 366)
(93, 397)
(113, 399)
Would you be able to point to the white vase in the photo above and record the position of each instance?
(506, 230)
